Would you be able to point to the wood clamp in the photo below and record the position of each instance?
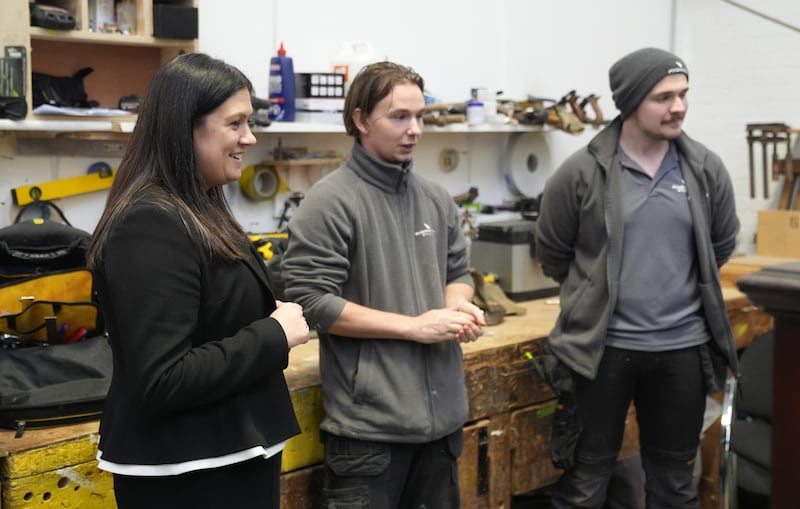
(766, 134)
(789, 167)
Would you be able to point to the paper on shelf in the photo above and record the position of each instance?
(46, 109)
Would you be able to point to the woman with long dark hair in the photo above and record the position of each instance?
(198, 411)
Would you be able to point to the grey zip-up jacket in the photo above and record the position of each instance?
(380, 236)
(579, 244)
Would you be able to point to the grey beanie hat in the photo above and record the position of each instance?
(633, 76)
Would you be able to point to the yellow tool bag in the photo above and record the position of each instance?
(46, 291)
(55, 361)
(52, 308)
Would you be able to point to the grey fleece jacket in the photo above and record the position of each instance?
(579, 242)
(378, 235)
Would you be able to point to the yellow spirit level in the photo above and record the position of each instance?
(63, 187)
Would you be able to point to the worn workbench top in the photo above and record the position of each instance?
(536, 323)
(303, 371)
(539, 318)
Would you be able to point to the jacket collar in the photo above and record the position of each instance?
(603, 146)
(388, 177)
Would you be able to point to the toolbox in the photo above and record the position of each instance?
(504, 249)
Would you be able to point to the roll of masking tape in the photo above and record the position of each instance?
(259, 182)
(527, 164)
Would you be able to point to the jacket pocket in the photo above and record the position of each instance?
(361, 374)
(351, 457)
(565, 432)
(714, 366)
(455, 443)
(580, 310)
(354, 497)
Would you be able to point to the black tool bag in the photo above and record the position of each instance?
(61, 90)
(567, 427)
(55, 360)
(40, 245)
(13, 108)
(51, 385)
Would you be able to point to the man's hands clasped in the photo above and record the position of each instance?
(462, 322)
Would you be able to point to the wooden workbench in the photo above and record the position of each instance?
(506, 449)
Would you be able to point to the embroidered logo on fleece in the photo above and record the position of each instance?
(425, 232)
(680, 188)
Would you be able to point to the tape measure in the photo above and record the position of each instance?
(259, 182)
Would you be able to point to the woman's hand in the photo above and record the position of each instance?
(290, 316)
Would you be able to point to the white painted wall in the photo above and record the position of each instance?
(743, 69)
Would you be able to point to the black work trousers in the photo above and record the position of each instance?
(668, 391)
(377, 475)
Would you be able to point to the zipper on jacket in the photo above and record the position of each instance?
(410, 251)
(401, 178)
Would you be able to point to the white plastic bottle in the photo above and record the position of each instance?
(351, 57)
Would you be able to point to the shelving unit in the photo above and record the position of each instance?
(123, 63)
(125, 125)
(68, 135)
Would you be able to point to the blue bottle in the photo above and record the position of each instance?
(281, 87)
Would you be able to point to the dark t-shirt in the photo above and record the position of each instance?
(659, 306)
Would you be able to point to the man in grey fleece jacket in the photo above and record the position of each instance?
(378, 261)
(635, 227)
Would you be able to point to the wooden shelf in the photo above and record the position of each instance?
(303, 128)
(78, 36)
(122, 64)
(126, 125)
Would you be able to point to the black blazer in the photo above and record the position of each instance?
(198, 365)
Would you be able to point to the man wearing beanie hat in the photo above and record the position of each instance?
(635, 75)
(642, 320)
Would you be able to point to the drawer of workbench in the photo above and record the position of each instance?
(502, 379)
(82, 485)
(529, 448)
(483, 464)
(54, 467)
(483, 471)
(302, 489)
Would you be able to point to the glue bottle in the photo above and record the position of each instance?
(281, 87)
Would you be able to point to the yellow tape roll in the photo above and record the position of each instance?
(259, 182)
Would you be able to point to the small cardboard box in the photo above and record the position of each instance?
(778, 233)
